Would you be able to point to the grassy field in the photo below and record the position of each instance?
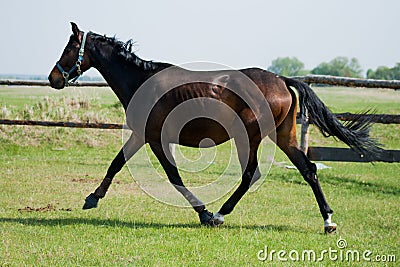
(46, 173)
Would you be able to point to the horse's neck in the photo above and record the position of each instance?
(123, 79)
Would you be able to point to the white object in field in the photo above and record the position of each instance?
(320, 166)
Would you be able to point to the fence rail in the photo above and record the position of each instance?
(376, 118)
(314, 153)
(46, 83)
(315, 79)
(111, 126)
(349, 82)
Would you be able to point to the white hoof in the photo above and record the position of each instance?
(329, 226)
(217, 219)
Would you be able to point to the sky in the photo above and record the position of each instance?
(234, 33)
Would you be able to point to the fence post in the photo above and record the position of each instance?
(304, 132)
(304, 129)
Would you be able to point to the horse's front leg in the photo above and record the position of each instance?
(250, 173)
(128, 150)
(168, 163)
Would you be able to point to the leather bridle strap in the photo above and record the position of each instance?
(77, 65)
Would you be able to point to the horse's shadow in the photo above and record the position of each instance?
(139, 224)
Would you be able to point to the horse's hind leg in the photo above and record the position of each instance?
(168, 163)
(127, 151)
(286, 140)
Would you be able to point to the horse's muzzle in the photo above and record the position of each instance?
(56, 81)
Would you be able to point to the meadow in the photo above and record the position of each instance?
(46, 173)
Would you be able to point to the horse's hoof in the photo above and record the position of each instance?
(330, 229)
(329, 226)
(90, 202)
(205, 217)
(217, 219)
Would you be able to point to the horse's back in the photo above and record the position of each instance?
(215, 104)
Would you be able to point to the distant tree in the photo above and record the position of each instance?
(385, 73)
(381, 73)
(340, 66)
(287, 66)
(397, 69)
(396, 72)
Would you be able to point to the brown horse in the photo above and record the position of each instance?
(245, 105)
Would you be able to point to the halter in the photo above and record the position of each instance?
(77, 65)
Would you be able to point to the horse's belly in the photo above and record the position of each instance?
(203, 133)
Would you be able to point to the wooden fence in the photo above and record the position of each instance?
(314, 153)
(347, 154)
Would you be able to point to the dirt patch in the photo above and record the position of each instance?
(49, 207)
(85, 181)
(91, 181)
(67, 209)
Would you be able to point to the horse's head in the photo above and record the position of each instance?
(73, 62)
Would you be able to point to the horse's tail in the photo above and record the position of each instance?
(354, 133)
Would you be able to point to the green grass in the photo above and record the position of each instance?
(60, 166)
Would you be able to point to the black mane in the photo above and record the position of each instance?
(124, 50)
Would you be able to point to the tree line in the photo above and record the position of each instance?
(339, 66)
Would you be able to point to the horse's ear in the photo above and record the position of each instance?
(75, 30)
